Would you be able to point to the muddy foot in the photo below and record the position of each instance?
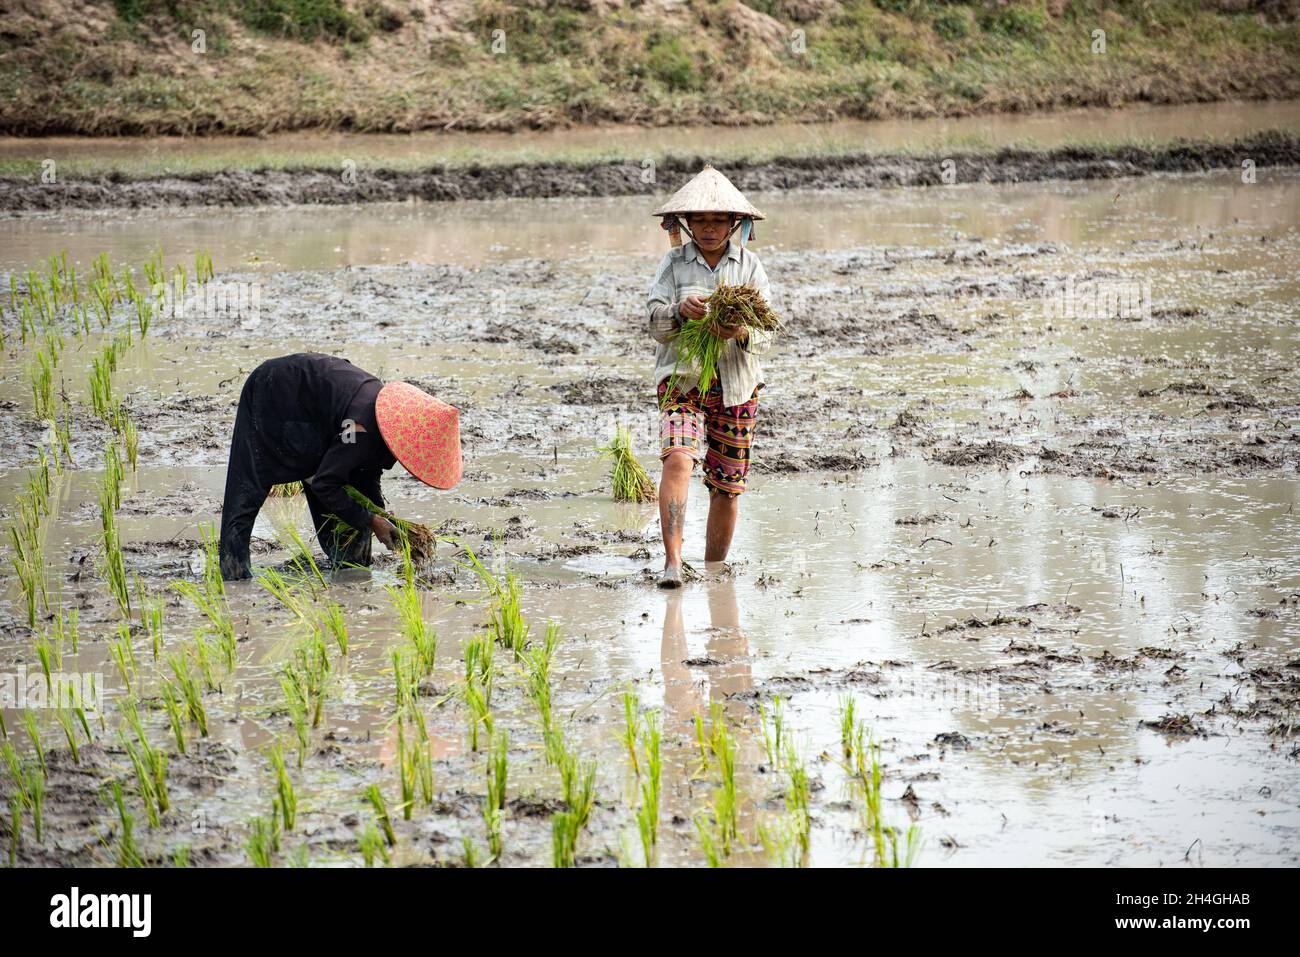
(671, 577)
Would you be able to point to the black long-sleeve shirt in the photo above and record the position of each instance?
(316, 423)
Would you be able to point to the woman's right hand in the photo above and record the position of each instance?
(385, 531)
(694, 307)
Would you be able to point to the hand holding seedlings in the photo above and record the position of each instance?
(694, 307)
(385, 531)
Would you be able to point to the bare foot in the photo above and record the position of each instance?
(671, 577)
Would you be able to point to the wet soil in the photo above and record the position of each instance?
(1053, 560)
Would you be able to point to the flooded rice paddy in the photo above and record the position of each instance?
(1050, 554)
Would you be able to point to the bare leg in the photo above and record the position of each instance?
(673, 487)
(723, 510)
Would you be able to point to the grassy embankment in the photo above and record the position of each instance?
(128, 67)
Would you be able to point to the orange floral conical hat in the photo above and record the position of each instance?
(423, 433)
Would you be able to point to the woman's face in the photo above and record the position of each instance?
(711, 230)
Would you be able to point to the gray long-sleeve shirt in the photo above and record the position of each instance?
(683, 272)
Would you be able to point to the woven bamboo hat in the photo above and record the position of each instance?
(423, 433)
(709, 192)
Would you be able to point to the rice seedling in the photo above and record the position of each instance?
(63, 432)
(537, 664)
(709, 841)
(286, 490)
(376, 799)
(122, 652)
(847, 724)
(48, 655)
(189, 688)
(479, 666)
(34, 733)
(332, 620)
(152, 614)
(36, 800)
(42, 373)
(797, 797)
(627, 476)
(203, 268)
(303, 680)
(298, 707)
(15, 767)
(698, 343)
(469, 852)
(415, 536)
(508, 622)
(579, 781)
(480, 714)
(143, 313)
(128, 284)
(495, 804)
(773, 730)
(631, 727)
(202, 656)
(261, 842)
(372, 845)
(725, 804)
(28, 557)
(422, 757)
(564, 838)
(114, 564)
(64, 716)
(304, 563)
(211, 598)
(405, 771)
(285, 591)
(152, 760)
(15, 826)
(101, 385)
(153, 268)
(912, 847)
(143, 781)
(779, 840)
(288, 800)
(410, 609)
(181, 857)
(647, 815)
(406, 677)
(127, 853)
(131, 442)
(175, 713)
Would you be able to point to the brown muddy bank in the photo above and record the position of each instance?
(268, 187)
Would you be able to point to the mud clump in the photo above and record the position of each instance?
(993, 452)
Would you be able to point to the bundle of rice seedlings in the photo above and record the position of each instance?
(629, 478)
(288, 490)
(698, 343)
(418, 538)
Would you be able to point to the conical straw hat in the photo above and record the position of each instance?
(423, 433)
(709, 192)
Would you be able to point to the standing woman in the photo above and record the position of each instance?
(322, 421)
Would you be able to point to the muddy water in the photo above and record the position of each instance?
(476, 233)
(1152, 123)
(1006, 625)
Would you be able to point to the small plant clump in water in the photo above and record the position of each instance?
(628, 477)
